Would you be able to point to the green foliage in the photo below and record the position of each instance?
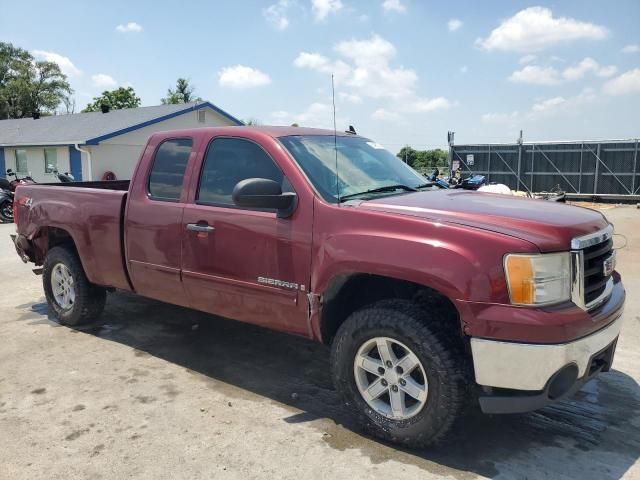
(27, 86)
(116, 99)
(424, 160)
(183, 93)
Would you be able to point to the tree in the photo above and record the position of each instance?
(423, 160)
(183, 93)
(115, 99)
(28, 87)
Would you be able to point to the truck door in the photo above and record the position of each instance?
(240, 263)
(154, 222)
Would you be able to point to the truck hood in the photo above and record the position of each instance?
(548, 225)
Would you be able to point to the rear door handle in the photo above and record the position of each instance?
(195, 227)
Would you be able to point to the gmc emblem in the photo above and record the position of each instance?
(609, 265)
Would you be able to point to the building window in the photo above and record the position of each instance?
(21, 161)
(201, 116)
(50, 160)
(167, 172)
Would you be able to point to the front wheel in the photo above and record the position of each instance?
(401, 373)
(6, 211)
(72, 298)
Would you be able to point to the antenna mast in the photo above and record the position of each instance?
(335, 136)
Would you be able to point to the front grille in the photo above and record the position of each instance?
(595, 281)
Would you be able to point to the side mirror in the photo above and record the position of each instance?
(9, 171)
(264, 193)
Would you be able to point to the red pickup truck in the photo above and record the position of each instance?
(430, 299)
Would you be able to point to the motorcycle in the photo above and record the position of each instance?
(473, 182)
(6, 201)
(26, 180)
(65, 177)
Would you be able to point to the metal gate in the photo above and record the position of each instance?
(607, 167)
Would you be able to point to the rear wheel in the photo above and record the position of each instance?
(6, 211)
(72, 298)
(402, 373)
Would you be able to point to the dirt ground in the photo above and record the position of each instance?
(154, 391)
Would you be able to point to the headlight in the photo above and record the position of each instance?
(538, 279)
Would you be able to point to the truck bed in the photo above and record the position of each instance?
(91, 213)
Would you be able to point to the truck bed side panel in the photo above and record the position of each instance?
(92, 217)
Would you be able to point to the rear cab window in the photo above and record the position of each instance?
(229, 161)
(168, 169)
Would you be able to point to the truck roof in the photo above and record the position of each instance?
(272, 131)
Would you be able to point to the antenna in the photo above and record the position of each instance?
(335, 136)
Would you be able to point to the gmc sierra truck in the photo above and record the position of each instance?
(430, 299)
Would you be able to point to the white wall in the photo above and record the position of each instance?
(35, 162)
(120, 154)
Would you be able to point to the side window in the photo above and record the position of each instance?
(167, 172)
(228, 161)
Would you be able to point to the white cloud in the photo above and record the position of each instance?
(131, 27)
(527, 59)
(102, 80)
(586, 65)
(548, 104)
(628, 82)
(536, 75)
(634, 48)
(366, 72)
(276, 14)
(464, 69)
(350, 97)
(241, 77)
(320, 63)
(315, 115)
(428, 104)
(394, 5)
(535, 28)
(323, 8)
(454, 24)
(385, 115)
(66, 65)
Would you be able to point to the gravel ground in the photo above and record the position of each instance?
(155, 391)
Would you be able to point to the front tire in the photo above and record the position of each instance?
(403, 375)
(72, 298)
(6, 211)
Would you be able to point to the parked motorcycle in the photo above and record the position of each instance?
(65, 177)
(6, 201)
(18, 180)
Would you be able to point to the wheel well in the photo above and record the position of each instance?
(49, 237)
(348, 293)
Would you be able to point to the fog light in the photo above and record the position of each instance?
(562, 381)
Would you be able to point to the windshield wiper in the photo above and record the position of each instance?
(386, 188)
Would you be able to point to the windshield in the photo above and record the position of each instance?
(363, 165)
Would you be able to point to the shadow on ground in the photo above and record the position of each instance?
(593, 435)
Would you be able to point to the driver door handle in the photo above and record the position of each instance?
(195, 227)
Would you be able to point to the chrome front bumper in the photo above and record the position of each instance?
(521, 366)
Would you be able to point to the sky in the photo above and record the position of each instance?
(405, 71)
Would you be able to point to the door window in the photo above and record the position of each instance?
(167, 172)
(228, 161)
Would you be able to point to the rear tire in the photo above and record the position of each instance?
(441, 370)
(72, 298)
